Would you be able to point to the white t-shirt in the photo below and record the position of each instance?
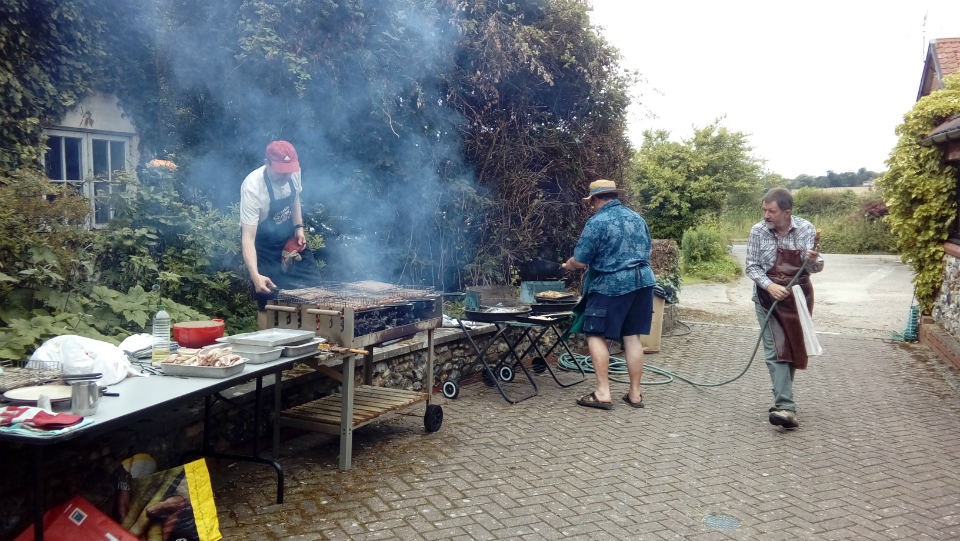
(254, 199)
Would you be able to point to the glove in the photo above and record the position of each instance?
(291, 253)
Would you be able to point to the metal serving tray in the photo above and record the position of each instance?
(203, 371)
(302, 349)
(272, 337)
(258, 357)
(247, 348)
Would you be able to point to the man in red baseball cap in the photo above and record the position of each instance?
(271, 225)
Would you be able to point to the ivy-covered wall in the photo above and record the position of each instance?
(920, 190)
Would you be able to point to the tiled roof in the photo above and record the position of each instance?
(948, 55)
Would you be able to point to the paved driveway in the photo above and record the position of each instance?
(877, 457)
(860, 294)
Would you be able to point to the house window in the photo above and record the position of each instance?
(88, 162)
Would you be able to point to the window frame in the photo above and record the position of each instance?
(88, 182)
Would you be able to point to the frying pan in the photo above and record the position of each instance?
(552, 307)
(553, 320)
(494, 317)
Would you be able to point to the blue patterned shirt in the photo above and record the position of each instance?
(616, 244)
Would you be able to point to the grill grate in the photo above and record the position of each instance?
(357, 295)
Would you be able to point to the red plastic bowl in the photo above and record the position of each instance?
(196, 334)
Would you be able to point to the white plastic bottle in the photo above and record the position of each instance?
(161, 335)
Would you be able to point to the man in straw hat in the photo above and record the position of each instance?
(615, 245)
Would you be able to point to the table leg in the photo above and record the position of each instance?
(207, 406)
(256, 418)
(346, 413)
(368, 367)
(428, 375)
(277, 404)
(38, 493)
(208, 452)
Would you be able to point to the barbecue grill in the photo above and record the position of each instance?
(359, 315)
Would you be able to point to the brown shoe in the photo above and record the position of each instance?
(639, 404)
(785, 418)
(591, 401)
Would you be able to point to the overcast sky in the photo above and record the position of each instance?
(820, 85)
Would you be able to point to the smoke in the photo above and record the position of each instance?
(358, 88)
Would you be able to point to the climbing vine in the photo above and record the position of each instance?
(920, 191)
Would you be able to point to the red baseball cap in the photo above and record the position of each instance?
(283, 157)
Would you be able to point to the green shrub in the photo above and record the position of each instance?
(735, 222)
(856, 235)
(57, 277)
(705, 255)
(811, 201)
(701, 245)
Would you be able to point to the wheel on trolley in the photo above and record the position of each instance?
(433, 418)
(450, 389)
(506, 373)
(539, 365)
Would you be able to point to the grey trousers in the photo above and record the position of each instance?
(781, 374)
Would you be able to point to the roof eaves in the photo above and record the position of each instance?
(931, 58)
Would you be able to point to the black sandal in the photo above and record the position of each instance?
(591, 401)
(626, 398)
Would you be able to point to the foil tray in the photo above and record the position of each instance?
(272, 337)
(302, 349)
(203, 371)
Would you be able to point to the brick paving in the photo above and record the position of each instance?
(877, 457)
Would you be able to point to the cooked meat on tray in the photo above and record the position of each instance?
(218, 357)
(554, 294)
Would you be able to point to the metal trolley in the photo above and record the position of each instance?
(535, 328)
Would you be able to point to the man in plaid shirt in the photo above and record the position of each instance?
(779, 232)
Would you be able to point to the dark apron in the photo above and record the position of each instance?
(785, 320)
(272, 236)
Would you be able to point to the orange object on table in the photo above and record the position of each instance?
(196, 334)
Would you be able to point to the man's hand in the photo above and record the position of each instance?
(300, 237)
(777, 291)
(573, 264)
(812, 256)
(263, 284)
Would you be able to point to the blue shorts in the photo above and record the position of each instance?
(623, 315)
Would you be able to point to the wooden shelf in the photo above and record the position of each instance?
(369, 402)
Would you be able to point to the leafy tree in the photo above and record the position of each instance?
(679, 182)
(835, 180)
(920, 191)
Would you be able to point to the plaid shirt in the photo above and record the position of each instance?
(763, 244)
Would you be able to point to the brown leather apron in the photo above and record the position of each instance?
(785, 320)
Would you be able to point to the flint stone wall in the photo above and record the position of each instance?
(946, 309)
(87, 465)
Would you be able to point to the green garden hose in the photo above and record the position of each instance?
(618, 366)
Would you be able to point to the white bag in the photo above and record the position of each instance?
(79, 355)
(806, 323)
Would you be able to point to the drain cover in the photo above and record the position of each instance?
(722, 522)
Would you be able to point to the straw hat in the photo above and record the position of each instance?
(598, 187)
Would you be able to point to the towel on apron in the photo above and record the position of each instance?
(784, 323)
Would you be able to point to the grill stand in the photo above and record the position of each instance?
(340, 414)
